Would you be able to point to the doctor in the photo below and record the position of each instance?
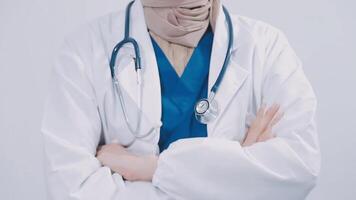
(190, 108)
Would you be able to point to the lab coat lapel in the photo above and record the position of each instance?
(235, 75)
(151, 92)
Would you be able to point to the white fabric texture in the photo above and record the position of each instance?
(263, 69)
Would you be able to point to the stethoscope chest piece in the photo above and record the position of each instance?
(206, 110)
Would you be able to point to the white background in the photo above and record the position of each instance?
(321, 31)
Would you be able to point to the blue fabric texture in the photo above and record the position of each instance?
(179, 94)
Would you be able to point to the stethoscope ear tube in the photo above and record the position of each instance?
(115, 52)
(217, 83)
(127, 40)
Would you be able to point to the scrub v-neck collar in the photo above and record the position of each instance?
(181, 93)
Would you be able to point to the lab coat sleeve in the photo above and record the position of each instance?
(285, 167)
(71, 130)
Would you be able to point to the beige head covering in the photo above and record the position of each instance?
(178, 25)
(179, 21)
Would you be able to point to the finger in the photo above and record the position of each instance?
(267, 135)
(99, 148)
(100, 153)
(100, 158)
(248, 138)
(247, 143)
(261, 111)
(256, 123)
(257, 126)
(276, 118)
(270, 113)
(120, 146)
(102, 148)
(251, 137)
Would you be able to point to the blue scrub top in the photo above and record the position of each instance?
(179, 94)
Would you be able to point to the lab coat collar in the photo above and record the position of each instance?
(235, 75)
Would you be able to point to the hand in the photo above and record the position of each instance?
(261, 128)
(131, 167)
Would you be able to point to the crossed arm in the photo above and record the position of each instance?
(141, 168)
(281, 167)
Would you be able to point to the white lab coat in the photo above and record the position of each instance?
(81, 109)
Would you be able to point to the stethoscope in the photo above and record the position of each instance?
(206, 109)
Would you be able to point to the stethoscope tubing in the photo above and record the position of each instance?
(129, 40)
(217, 83)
